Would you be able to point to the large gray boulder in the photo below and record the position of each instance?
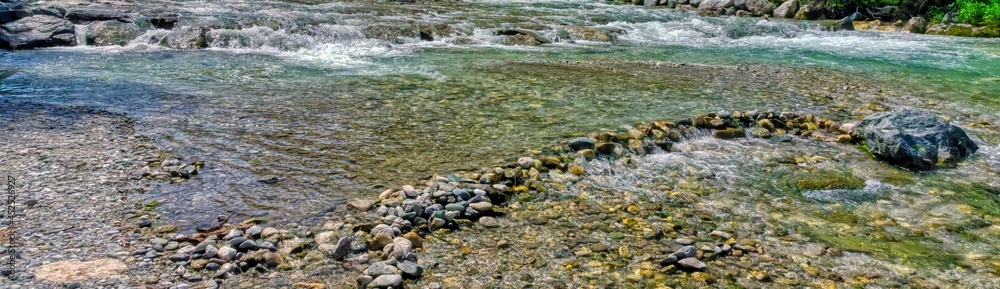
(787, 9)
(914, 139)
(715, 4)
(36, 32)
(105, 33)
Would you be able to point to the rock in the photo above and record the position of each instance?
(588, 34)
(383, 228)
(75, 270)
(588, 154)
(364, 280)
(343, 247)
(847, 23)
(759, 132)
(361, 204)
(916, 25)
(37, 31)
(715, 4)
(210, 252)
(401, 248)
(380, 240)
(759, 7)
(107, 33)
(720, 234)
(526, 162)
(914, 139)
(436, 223)
(482, 206)
(787, 9)
(669, 260)
(729, 133)
(414, 239)
(844, 138)
(522, 37)
(691, 264)
(179, 257)
(254, 232)
(385, 281)
(410, 269)
(986, 31)
(686, 252)
(249, 245)
(380, 268)
(808, 12)
(489, 222)
(233, 234)
(605, 148)
(225, 268)
(226, 254)
(236, 242)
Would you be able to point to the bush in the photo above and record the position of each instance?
(979, 12)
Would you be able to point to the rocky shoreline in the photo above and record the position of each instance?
(413, 234)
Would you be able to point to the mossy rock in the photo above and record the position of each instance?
(829, 180)
(986, 31)
(959, 30)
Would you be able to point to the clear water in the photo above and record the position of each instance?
(308, 93)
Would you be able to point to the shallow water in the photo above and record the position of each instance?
(340, 99)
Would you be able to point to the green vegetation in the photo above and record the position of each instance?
(978, 12)
(914, 252)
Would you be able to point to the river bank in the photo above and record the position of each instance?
(273, 150)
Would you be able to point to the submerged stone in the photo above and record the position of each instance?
(915, 140)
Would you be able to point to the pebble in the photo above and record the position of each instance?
(343, 247)
(437, 223)
(233, 234)
(380, 240)
(249, 245)
(401, 248)
(254, 231)
(159, 241)
(526, 162)
(686, 252)
(380, 268)
(226, 254)
(392, 280)
(489, 222)
(210, 252)
(691, 264)
(225, 268)
(179, 257)
(410, 269)
(482, 206)
(236, 242)
(364, 280)
(684, 241)
(581, 143)
(720, 235)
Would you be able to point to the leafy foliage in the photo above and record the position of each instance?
(978, 12)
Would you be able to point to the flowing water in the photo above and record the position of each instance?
(342, 99)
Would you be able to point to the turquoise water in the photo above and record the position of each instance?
(307, 93)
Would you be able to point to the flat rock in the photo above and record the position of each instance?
(36, 32)
(691, 264)
(75, 270)
(385, 281)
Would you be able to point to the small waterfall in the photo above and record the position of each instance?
(81, 34)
